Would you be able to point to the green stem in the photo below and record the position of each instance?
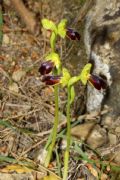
(54, 131)
(66, 156)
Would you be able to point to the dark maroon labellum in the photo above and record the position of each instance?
(51, 80)
(98, 82)
(46, 67)
(72, 34)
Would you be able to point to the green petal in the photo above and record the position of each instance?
(66, 77)
(55, 58)
(85, 73)
(62, 28)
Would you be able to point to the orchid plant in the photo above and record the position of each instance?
(54, 74)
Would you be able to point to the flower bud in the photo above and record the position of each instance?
(46, 67)
(72, 34)
(51, 80)
(98, 82)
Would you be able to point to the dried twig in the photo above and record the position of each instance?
(109, 150)
(83, 11)
(33, 147)
(25, 15)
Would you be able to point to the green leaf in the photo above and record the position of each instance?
(55, 58)
(85, 73)
(49, 25)
(52, 40)
(72, 94)
(73, 80)
(66, 77)
(62, 28)
(12, 160)
(9, 125)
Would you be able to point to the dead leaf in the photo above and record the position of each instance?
(51, 177)
(92, 170)
(15, 168)
(18, 75)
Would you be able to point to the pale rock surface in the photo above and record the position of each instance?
(112, 138)
(18, 75)
(83, 130)
(97, 137)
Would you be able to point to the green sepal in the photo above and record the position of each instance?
(55, 58)
(72, 94)
(66, 77)
(49, 25)
(52, 40)
(84, 75)
(62, 28)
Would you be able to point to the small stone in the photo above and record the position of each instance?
(107, 122)
(112, 138)
(7, 2)
(97, 137)
(104, 176)
(117, 130)
(18, 74)
(63, 144)
(81, 131)
(107, 46)
(12, 63)
(117, 157)
(6, 39)
(42, 156)
(14, 87)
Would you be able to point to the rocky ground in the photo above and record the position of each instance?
(27, 105)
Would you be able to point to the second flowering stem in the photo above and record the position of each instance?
(54, 131)
(66, 156)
